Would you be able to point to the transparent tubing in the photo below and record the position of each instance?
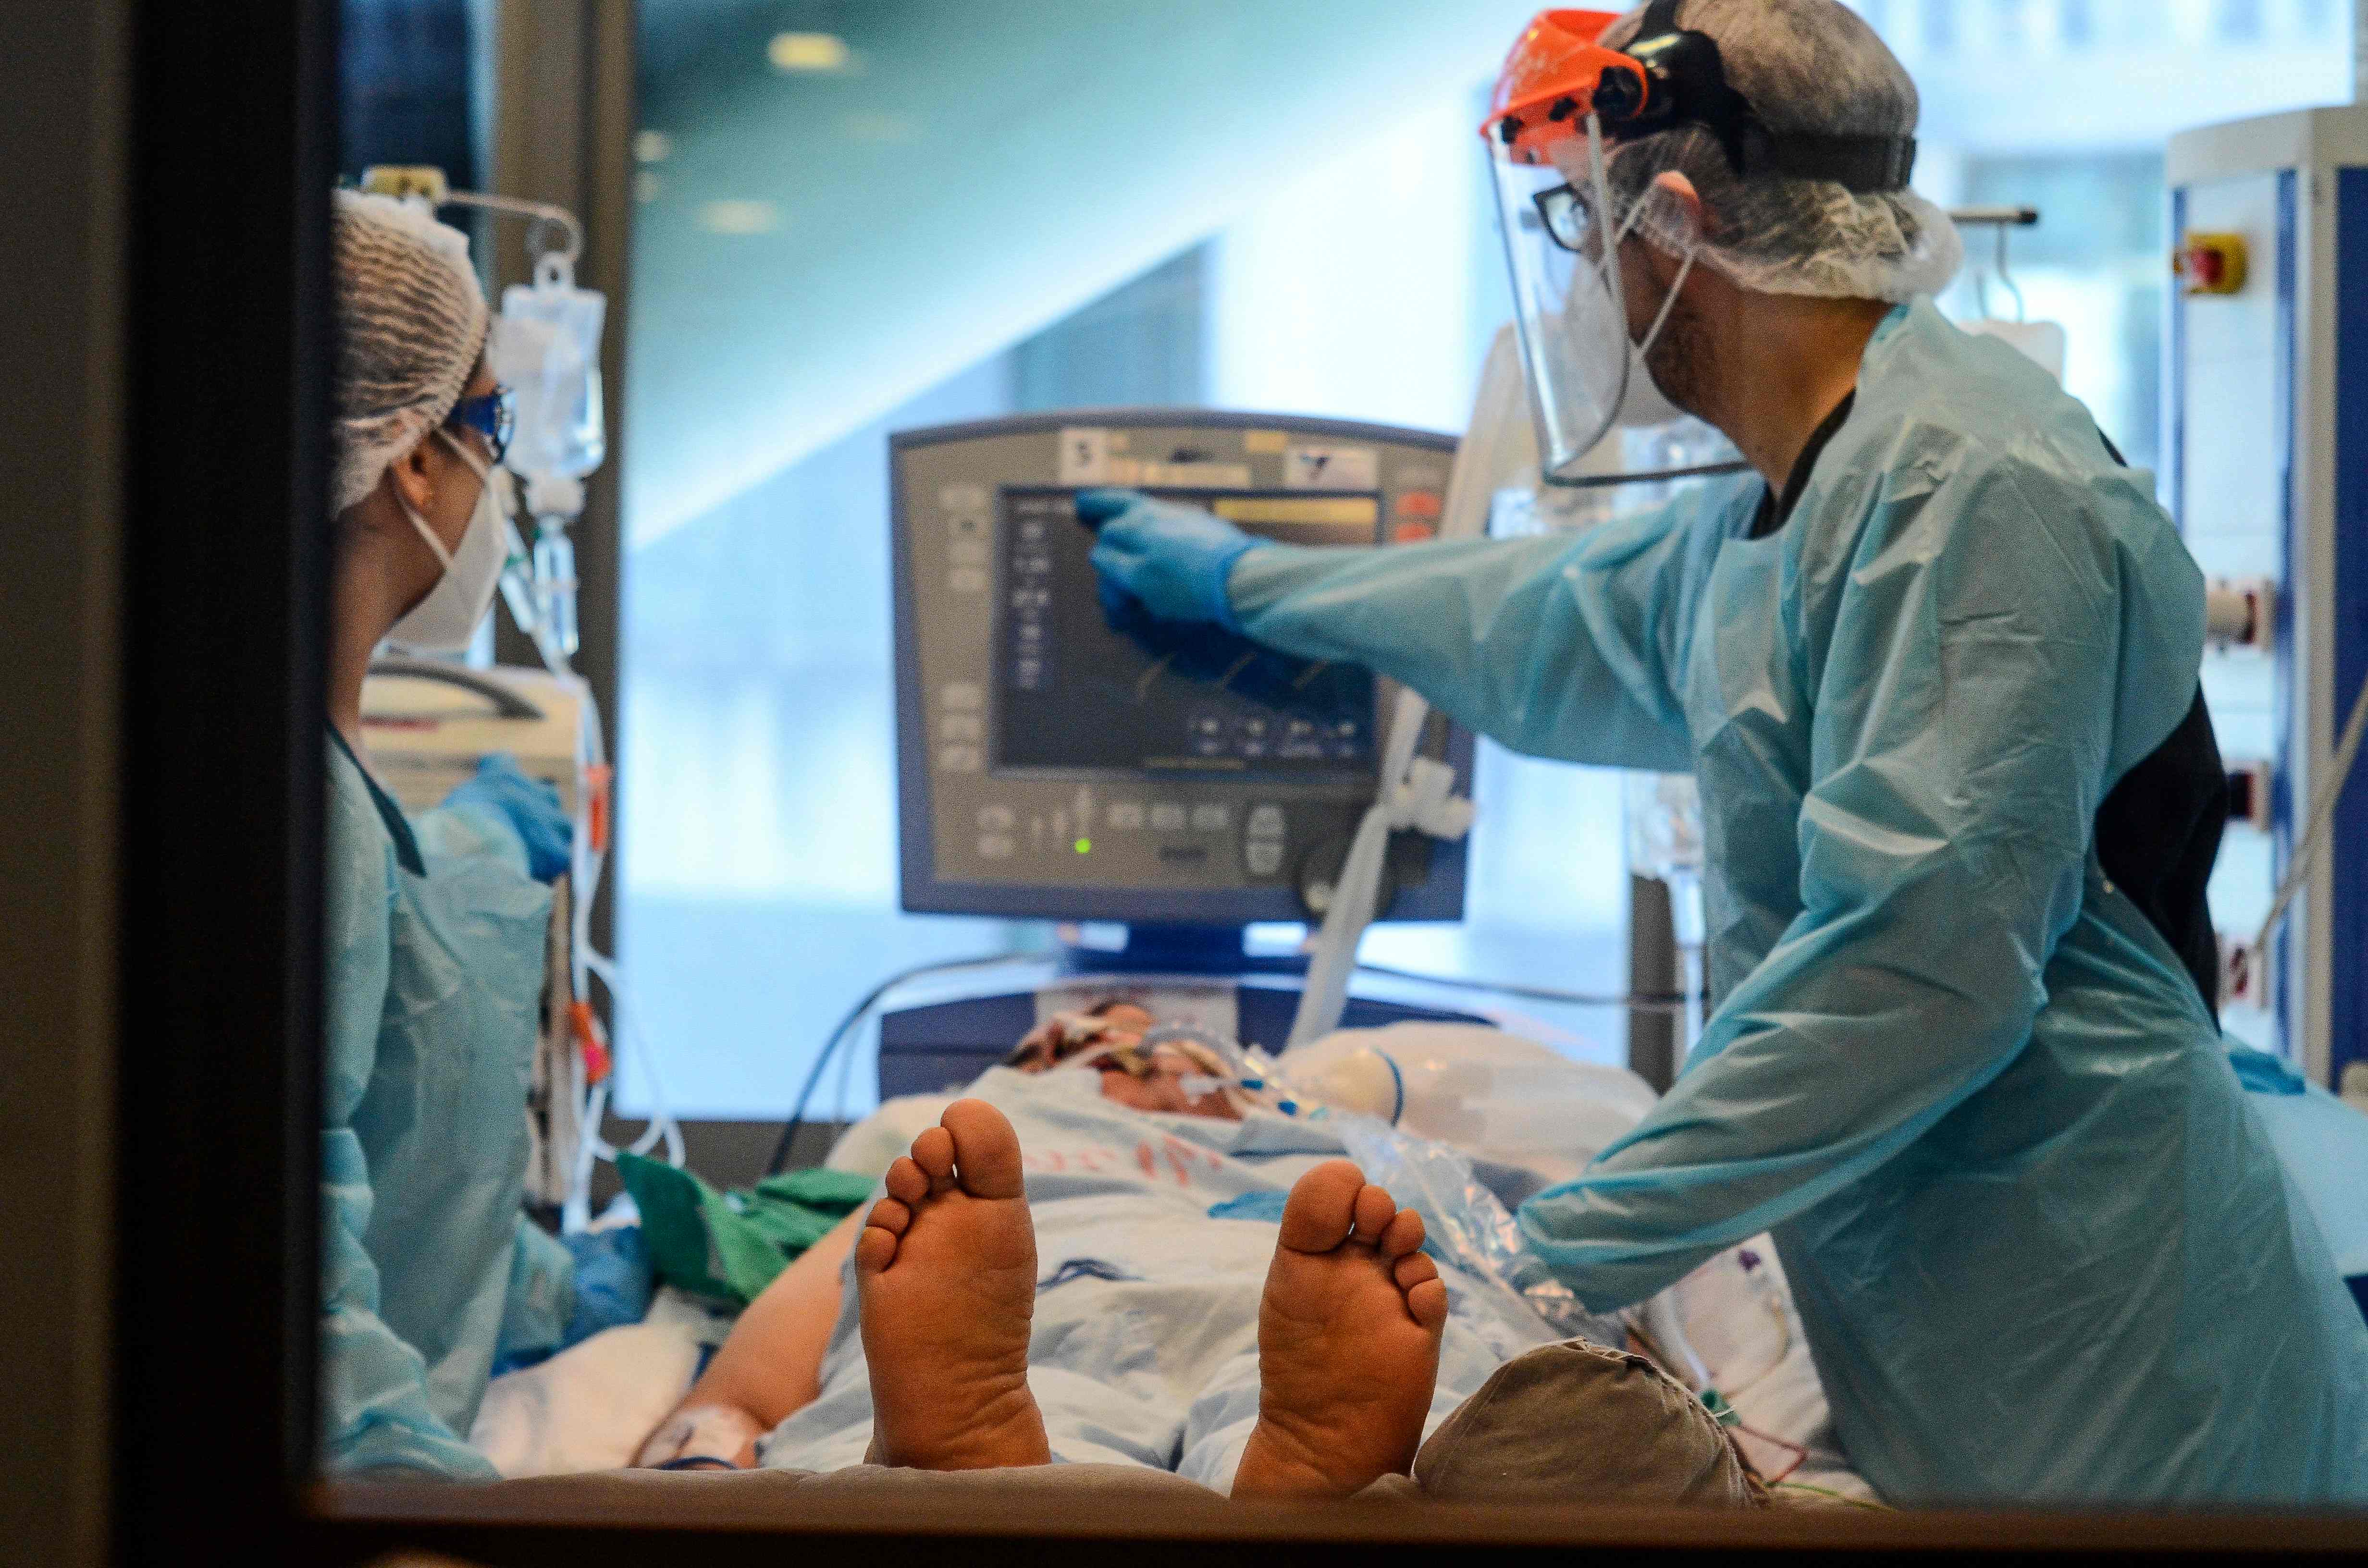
(555, 582)
(588, 963)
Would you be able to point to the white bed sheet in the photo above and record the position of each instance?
(589, 1408)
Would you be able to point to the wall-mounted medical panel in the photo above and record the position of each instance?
(2266, 469)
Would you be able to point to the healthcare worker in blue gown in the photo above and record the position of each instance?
(1933, 664)
(436, 924)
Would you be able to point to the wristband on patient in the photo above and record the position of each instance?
(690, 1439)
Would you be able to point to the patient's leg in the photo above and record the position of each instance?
(1348, 1334)
(945, 1277)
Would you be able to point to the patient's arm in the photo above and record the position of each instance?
(770, 1365)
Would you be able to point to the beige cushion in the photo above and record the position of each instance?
(1577, 1422)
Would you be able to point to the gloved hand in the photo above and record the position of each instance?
(527, 804)
(1171, 560)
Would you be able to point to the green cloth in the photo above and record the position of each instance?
(729, 1245)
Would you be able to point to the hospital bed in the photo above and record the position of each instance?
(1730, 1330)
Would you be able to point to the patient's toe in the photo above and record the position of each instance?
(986, 1148)
(906, 1182)
(1402, 1235)
(933, 1151)
(875, 1249)
(1322, 1206)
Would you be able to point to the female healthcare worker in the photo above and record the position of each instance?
(436, 924)
(1934, 667)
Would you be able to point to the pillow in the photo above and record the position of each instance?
(1578, 1423)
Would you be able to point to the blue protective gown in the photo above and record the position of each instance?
(435, 944)
(2042, 1248)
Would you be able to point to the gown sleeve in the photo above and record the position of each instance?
(1964, 707)
(374, 1409)
(1561, 646)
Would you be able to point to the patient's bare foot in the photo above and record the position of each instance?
(1348, 1342)
(945, 1273)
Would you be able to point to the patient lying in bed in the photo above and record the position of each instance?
(1099, 1260)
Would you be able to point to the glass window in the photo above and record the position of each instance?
(1357, 277)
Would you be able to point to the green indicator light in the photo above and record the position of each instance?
(1085, 846)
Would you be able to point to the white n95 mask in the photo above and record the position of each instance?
(446, 621)
(1645, 406)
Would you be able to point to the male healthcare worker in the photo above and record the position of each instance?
(436, 924)
(1934, 667)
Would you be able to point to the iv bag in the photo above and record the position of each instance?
(547, 351)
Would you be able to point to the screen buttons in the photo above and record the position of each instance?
(1263, 846)
(1167, 817)
(1302, 741)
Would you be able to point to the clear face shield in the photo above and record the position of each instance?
(1560, 100)
(1562, 253)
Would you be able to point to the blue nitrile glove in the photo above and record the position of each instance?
(1172, 560)
(527, 804)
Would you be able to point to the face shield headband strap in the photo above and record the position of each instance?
(1688, 86)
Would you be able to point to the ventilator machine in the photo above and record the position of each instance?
(1051, 766)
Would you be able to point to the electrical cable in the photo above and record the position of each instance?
(845, 1081)
(855, 1015)
(1647, 1001)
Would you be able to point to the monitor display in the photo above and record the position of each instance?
(1080, 687)
(1061, 757)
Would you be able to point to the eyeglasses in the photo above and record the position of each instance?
(1564, 216)
(494, 416)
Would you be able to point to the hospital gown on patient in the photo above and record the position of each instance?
(1144, 1349)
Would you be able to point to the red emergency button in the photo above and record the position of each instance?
(2211, 264)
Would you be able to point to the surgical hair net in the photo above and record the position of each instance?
(1807, 67)
(411, 321)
